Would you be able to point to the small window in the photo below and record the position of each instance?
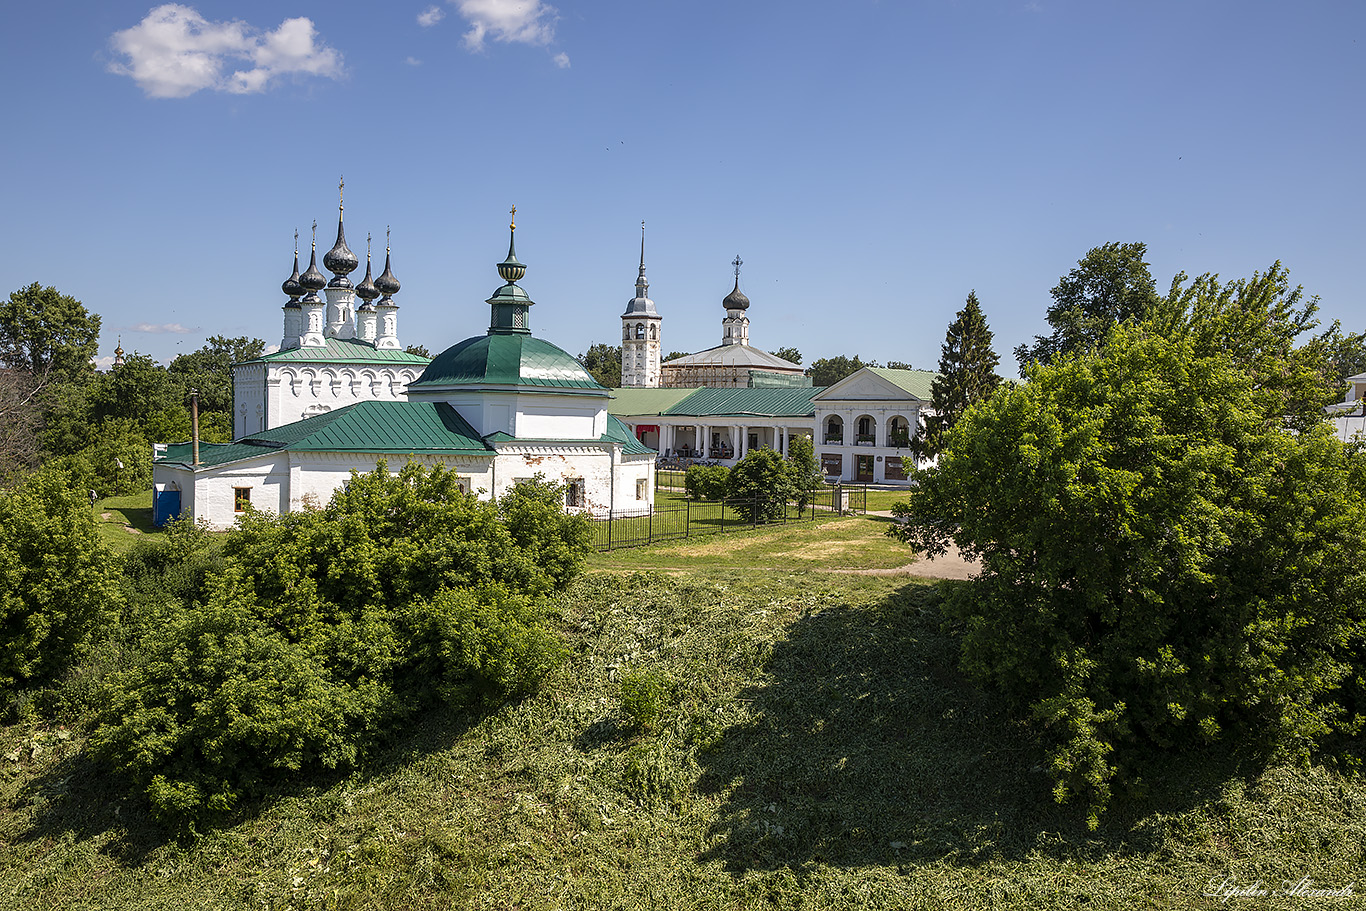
(641, 488)
(241, 499)
(573, 492)
(640, 330)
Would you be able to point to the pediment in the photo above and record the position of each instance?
(864, 386)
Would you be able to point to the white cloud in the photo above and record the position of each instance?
(561, 60)
(430, 16)
(521, 21)
(158, 328)
(175, 52)
(271, 349)
(413, 61)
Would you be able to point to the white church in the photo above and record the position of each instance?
(342, 394)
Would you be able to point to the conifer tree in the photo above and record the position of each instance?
(967, 375)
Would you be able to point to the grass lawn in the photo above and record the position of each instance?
(817, 750)
(120, 520)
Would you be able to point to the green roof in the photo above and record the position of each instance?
(507, 360)
(630, 400)
(362, 427)
(760, 402)
(916, 382)
(344, 350)
(617, 432)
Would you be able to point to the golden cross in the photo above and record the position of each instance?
(513, 225)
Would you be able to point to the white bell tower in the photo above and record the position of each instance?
(640, 331)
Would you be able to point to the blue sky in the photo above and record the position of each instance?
(871, 162)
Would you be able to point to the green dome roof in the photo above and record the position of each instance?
(506, 360)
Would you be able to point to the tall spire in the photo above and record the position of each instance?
(642, 283)
(340, 261)
(510, 304)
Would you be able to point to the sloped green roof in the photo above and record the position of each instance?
(916, 382)
(645, 400)
(617, 432)
(346, 351)
(507, 360)
(362, 427)
(761, 402)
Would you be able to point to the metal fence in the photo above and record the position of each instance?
(694, 518)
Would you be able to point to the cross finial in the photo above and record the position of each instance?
(341, 191)
(367, 246)
(738, 262)
(513, 224)
(386, 238)
(296, 241)
(315, 233)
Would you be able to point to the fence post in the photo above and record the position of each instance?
(650, 529)
(609, 531)
(687, 519)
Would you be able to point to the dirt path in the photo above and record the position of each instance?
(951, 565)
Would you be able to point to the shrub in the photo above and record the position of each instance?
(323, 629)
(644, 696)
(761, 485)
(706, 482)
(58, 583)
(1162, 565)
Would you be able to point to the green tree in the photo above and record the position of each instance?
(20, 422)
(789, 354)
(48, 334)
(136, 391)
(209, 369)
(706, 482)
(829, 371)
(1256, 323)
(761, 485)
(604, 363)
(1163, 563)
(419, 350)
(806, 471)
(1111, 284)
(674, 355)
(967, 375)
(899, 365)
(58, 583)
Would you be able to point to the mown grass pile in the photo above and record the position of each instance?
(730, 739)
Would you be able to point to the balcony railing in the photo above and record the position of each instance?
(834, 438)
(865, 439)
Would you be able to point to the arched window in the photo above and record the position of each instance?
(640, 330)
(898, 432)
(834, 430)
(654, 332)
(867, 431)
(625, 333)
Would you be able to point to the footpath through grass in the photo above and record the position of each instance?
(816, 748)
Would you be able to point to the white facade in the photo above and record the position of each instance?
(272, 391)
(1349, 417)
(864, 424)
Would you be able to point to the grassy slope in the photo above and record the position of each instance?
(819, 751)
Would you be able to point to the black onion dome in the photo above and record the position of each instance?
(387, 284)
(291, 285)
(340, 261)
(366, 290)
(736, 300)
(313, 280)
